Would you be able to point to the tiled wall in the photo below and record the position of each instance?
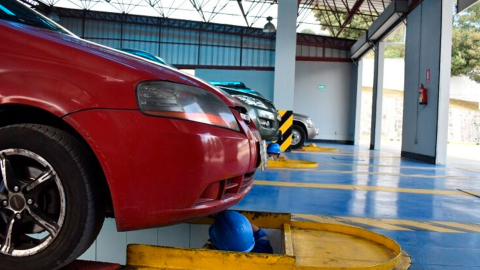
(111, 246)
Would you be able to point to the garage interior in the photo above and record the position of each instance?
(414, 194)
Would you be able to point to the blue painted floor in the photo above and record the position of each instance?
(439, 231)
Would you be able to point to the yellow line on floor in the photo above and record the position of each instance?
(422, 225)
(356, 155)
(381, 166)
(321, 219)
(467, 227)
(457, 177)
(375, 223)
(354, 187)
(393, 224)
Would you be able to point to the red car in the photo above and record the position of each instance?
(86, 129)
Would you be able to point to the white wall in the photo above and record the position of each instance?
(463, 88)
(330, 110)
(393, 76)
(260, 81)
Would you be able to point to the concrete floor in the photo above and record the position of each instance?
(414, 203)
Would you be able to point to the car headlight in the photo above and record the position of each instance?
(174, 100)
(309, 123)
(251, 101)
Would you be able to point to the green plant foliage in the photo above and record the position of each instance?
(307, 31)
(466, 44)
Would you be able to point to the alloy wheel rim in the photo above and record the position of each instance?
(295, 137)
(32, 203)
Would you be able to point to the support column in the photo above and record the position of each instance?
(357, 101)
(285, 50)
(377, 103)
(427, 62)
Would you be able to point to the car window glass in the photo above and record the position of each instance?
(11, 10)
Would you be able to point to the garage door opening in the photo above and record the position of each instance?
(393, 87)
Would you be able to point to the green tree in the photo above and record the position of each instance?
(466, 44)
(307, 31)
(395, 46)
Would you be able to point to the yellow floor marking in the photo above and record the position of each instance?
(356, 155)
(320, 219)
(421, 225)
(467, 227)
(354, 187)
(393, 224)
(376, 223)
(382, 166)
(457, 177)
(341, 220)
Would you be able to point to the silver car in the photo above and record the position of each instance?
(303, 129)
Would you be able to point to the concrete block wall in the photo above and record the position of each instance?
(461, 88)
(464, 121)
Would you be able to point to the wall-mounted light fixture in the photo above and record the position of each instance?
(269, 27)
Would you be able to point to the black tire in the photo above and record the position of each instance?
(77, 176)
(297, 130)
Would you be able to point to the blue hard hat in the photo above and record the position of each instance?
(232, 231)
(273, 148)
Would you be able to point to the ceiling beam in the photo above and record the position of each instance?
(350, 15)
(240, 5)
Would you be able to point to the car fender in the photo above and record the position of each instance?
(54, 95)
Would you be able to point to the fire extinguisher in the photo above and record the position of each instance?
(422, 95)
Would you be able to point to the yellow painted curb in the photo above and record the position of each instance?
(359, 234)
(307, 246)
(314, 147)
(291, 163)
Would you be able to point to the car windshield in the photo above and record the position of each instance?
(12, 10)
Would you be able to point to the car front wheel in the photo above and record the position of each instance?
(49, 209)
(298, 136)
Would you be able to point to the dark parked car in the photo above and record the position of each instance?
(261, 110)
(86, 129)
(303, 127)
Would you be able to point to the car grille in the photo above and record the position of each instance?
(242, 110)
(226, 188)
(247, 180)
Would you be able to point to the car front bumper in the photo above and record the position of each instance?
(163, 171)
(312, 133)
(260, 117)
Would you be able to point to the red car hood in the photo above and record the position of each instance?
(154, 71)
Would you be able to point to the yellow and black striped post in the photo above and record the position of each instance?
(285, 141)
